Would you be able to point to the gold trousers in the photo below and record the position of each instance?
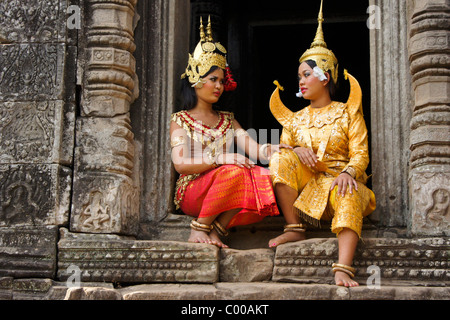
(315, 201)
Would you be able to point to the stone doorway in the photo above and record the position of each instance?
(271, 39)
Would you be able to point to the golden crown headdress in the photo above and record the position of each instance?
(319, 52)
(326, 60)
(207, 54)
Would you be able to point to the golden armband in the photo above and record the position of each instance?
(177, 141)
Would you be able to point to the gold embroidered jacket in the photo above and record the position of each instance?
(338, 135)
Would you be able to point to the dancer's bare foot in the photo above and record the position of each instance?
(215, 237)
(290, 236)
(202, 237)
(344, 280)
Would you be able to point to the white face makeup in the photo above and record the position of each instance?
(318, 73)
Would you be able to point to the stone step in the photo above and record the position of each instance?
(47, 289)
(118, 259)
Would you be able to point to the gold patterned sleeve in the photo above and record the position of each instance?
(358, 146)
(286, 138)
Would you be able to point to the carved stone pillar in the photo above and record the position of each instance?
(391, 101)
(430, 127)
(105, 195)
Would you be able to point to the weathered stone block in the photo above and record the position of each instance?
(92, 294)
(400, 261)
(117, 15)
(432, 90)
(109, 258)
(105, 145)
(104, 203)
(6, 292)
(28, 252)
(36, 132)
(32, 72)
(34, 195)
(246, 265)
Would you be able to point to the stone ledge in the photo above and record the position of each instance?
(279, 291)
(47, 289)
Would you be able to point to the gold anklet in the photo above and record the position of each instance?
(220, 229)
(200, 226)
(344, 268)
(340, 265)
(295, 227)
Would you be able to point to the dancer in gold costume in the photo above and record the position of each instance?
(323, 177)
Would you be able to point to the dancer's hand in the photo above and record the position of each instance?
(306, 156)
(343, 181)
(236, 159)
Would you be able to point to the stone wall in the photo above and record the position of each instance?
(37, 121)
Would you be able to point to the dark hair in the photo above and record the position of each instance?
(188, 96)
(332, 87)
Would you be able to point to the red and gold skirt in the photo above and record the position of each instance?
(229, 187)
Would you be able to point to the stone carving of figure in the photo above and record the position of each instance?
(439, 210)
(96, 211)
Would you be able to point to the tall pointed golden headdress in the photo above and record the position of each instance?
(206, 55)
(326, 60)
(319, 52)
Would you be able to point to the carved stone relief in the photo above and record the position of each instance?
(34, 195)
(31, 71)
(431, 195)
(33, 20)
(36, 132)
(104, 203)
